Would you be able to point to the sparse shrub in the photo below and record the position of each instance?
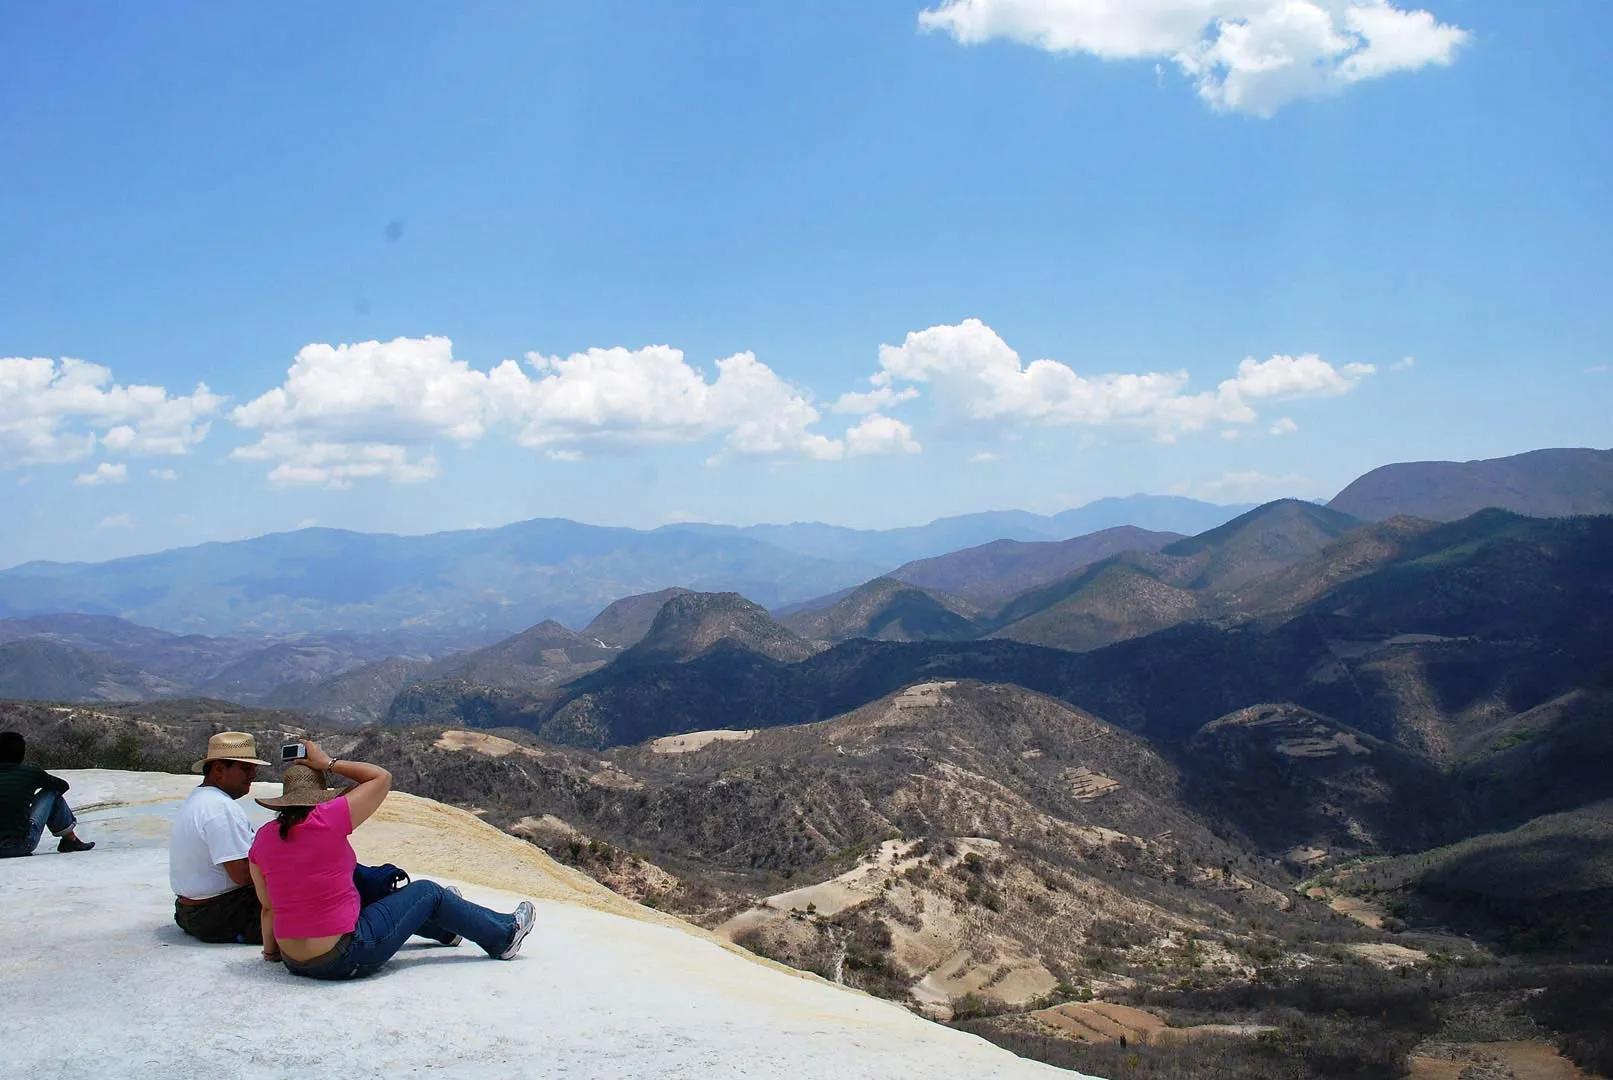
(975, 1007)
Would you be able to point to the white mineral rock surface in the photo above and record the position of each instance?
(98, 982)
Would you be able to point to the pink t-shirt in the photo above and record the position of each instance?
(309, 876)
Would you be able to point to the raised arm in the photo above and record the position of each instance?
(373, 782)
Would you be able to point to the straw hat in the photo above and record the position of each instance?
(301, 785)
(230, 746)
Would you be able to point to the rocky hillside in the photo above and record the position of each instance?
(886, 609)
(1004, 568)
(691, 624)
(45, 670)
(1139, 592)
(624, 622)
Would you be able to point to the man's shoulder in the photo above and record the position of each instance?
(207, 801)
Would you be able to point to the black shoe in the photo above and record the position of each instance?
(69, 844)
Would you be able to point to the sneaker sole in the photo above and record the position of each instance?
(522, 929)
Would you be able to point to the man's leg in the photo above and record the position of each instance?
(50, 811)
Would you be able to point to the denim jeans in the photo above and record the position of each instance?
(423, 908)
(49, 811)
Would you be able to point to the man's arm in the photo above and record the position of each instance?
(229, 838)
(47, 782)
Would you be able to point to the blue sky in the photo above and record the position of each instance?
(1062, 254)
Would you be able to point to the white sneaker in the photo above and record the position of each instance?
(525, 916)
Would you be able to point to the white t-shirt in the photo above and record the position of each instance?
(210, 829)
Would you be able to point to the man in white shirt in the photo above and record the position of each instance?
(214, 900)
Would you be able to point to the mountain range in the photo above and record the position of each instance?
(1234, 776)
(505, 579)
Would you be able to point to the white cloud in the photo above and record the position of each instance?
(57, 411)
(116, 521)
(878, 434)
(882, 396)
(104, 473)
(1251, 56)
(621, 398)
(1403, 364)
(1249, 486)
(1284, 426)
(982, 457)
(165, 475)
(1287, 378)
(365, 411)
(977, 380)
(307, 523)
(1599, 369)
(376, 409)
(1231, 434)
(336, 464)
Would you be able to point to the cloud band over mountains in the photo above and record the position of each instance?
(378, 410)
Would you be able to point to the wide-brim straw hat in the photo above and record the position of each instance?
(300, 785)
(230, 746)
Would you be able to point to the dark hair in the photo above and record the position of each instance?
(12, 747)
(292, 815)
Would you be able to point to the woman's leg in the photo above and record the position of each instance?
(385, 925)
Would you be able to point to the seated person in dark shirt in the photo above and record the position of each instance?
(30, 802)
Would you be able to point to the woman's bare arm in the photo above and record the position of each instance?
(373, 782)
(271, 947)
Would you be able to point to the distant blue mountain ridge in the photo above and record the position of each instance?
(509, 578)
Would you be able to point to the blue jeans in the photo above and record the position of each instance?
(423, 908)
(49, 811)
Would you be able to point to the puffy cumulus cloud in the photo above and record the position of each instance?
(1283, 426)
(620, 398)
(367, 411)
(58, 411)
(165, 475)
(977, 379)
(375, 410)
(1251, 56)
(116, 521)
(104, 473)
(879, 434)
(403, 391)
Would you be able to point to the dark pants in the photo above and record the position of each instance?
(423, 908)
(49, 811)
(230, 919)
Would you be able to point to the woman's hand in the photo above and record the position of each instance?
(317, 758)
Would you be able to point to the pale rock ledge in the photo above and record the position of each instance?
(98, 982)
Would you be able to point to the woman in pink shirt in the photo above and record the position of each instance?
(302, 866)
